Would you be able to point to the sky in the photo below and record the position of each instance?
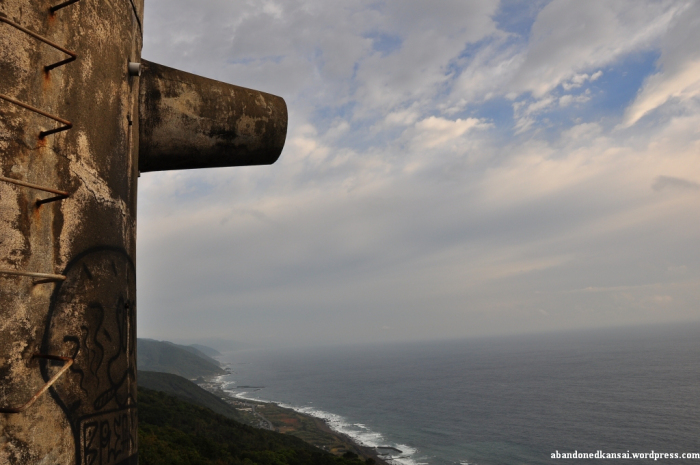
(452, 169)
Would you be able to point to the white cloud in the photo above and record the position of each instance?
(582, 132)
(487, 73)
(568, 44)
(679, 75)
(570, 38)
(566, 100)
(525, 111)
(401, 117)
(432, 38)
(435, 132)
(395, 199)
(580, 79)
(681, 84)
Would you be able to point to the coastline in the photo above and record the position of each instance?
(281, 418)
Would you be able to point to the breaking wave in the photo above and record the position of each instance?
(398, 454)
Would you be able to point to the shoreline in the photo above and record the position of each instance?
(289, 420)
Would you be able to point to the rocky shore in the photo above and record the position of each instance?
(315, 431)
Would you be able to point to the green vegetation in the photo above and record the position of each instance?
(188, 391)
(181, 423)
(167, 357)
(284, 420)
(173, 432)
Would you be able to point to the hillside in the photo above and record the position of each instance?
(205, 354)
(167, 357)
(206, 350)
(173, 432)
(188, 391)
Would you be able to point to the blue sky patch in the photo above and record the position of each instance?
(518, 16)
(386, 44)
(621, 82)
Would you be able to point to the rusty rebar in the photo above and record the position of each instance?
(50, 199)
(42, 134)
(55, 8)
(72, 55)
(46, 277)
(34, 186)
(69, 361)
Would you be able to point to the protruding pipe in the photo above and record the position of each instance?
(134, 69)
(187, 121)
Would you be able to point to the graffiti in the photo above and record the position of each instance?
(92, 318)
(107, 438)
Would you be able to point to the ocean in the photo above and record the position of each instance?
(507, 400)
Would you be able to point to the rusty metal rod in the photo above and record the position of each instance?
(45, 387)
(72, 55)
(34, 186)
(43, 281)
(50, 199)
(36, 110)
(46, 276)
(42, 134)
(55, 8)
(58, 63)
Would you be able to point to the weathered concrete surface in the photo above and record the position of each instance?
(187, 121)
(90, 236)
(89, 415)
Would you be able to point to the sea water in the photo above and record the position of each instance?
(507, 400)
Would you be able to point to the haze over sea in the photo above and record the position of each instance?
(507, 400)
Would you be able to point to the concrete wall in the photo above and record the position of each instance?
(87, 239)
(89, 416)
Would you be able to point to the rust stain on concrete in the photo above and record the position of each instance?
(166, 119)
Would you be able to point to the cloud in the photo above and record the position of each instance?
(566, 100)
(434, 132)
(431, 39)
(524, 112)
(679, 76)
(672, 183)
(579, 79)
(569, 39)
(439, 173)
(401, 117)
(567, 46)
(682, 84)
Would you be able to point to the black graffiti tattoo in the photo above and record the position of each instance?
(92, 318)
